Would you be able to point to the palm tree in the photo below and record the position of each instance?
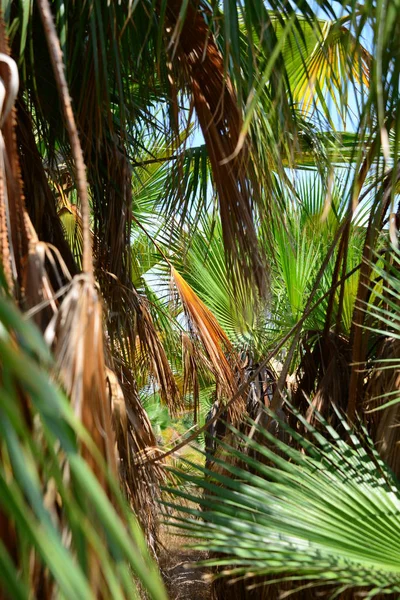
(260, 252)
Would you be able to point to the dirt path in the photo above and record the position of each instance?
(183, 581)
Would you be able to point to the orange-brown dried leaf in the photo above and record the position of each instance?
(211, 334)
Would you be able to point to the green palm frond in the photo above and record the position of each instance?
(188, 194)
(298, 241)
(382, 308)
(48, 490)
(323, 514)
(322, 59)
(297, 260)
(71, 220)
(199, 257)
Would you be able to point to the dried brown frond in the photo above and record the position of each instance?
(138, 349)
(56, 58)
(119, 415)
(202, 66)
(136, 442)
(76, 332)
(323, 377)
(210, 332)
(44, 270)
(11, 187)
(139, 425)
(109, 174)
(5, 250)
(154, 354)
(149, 339)
(75, 335)
(40, 201)
(383, 383)
(222, 359)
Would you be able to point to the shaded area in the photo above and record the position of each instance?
(183, 580)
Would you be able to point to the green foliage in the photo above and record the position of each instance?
(295, 240)
(299, 243)
(296, 74)
(158, 414)
(49, 494)
(322, 509)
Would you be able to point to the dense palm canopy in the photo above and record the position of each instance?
(196, 196)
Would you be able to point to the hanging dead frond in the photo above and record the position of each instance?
(76, 332)
(213, 338)
(323, 377)
(44, 271)
(154, 354)
(218, 112)
(119, 415)
(139, 426)
(24, 258)
(39, 199)
(135, 441)
(75, 335)
(62, 86)
(383, 387)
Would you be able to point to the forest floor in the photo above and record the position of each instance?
(183, 581)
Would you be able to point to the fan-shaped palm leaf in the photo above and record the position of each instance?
(326, 513)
